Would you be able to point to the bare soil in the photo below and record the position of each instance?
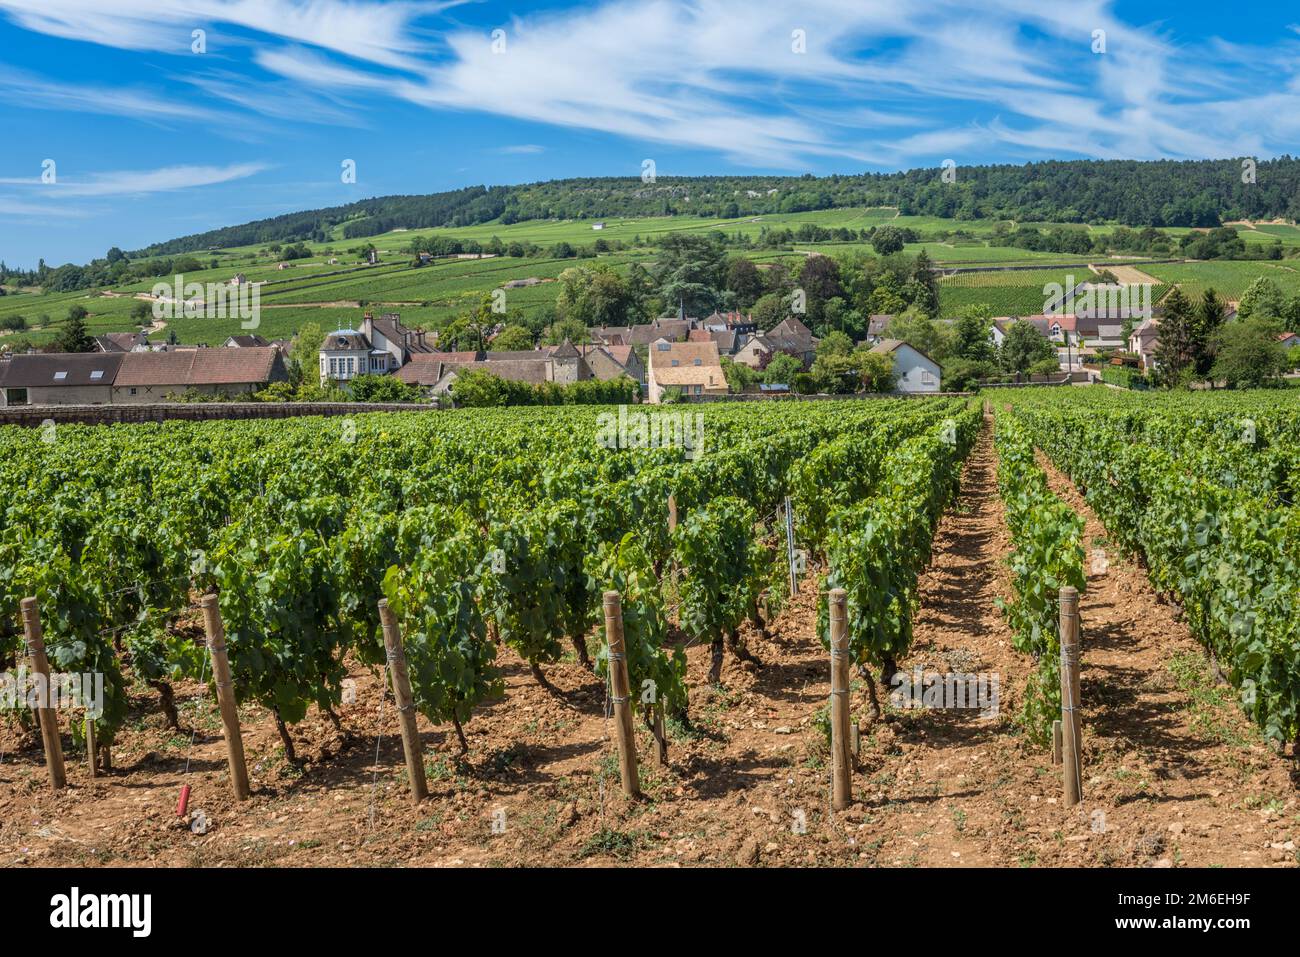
(1174, 775)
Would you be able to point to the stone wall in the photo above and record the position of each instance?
(35, 415)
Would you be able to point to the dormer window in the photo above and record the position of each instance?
(699, 362)
(675, 362)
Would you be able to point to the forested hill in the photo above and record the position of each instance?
(1158, 193)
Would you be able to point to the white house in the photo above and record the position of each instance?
(379, 347)
(914, 371)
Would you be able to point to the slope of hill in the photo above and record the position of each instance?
(1159, 193)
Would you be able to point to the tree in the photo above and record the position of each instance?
(513, 338)
(781, 369)
(916, 329)
(691, 271)
(835, 343)
(1262, 299)
(1210, 313)
(974, 335)
(381, 388)
(595, 296)
(1173, 355)
(304, 354)
(570, 329)
(73, 337)
(769, 310)
(1248, 354)
(877, 371)
(739, 375)
(837, 372)
(924, 285)
(887, 240)
(819, 278)
(142, 314)
(1024, 346)
(744, 282)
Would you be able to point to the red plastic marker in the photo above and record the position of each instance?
(184, 802)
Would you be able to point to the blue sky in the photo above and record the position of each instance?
(152, 140)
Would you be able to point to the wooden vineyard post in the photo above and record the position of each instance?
(49, 721)
(216, 633)
(90, 743)
(672, 514)
(841, 759)
(1056, 741)
(620, 695)
(789, 545)
(661, 736)
(1070, 726)
(405, 702)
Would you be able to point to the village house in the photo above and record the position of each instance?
(80, 378)
(245, 342)
(1142, 342)
(158, 376)
(693, 367)
(789, 335)
(878, 327)
(674, 330)
(379, 347)
(101, 378)
(122, 342)
(914, 371)
(436, 372)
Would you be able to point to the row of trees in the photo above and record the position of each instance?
(1197, 344)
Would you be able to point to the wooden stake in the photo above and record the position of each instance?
(216, 633)
(672, 514)
(789, 546)
(841, 760)
(405, 702)
(855, 740)
(49, 721)
(620, 695)
(1070, 727)
(90, 744)
(1056, 742)
(661, 736)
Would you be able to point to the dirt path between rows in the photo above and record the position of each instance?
(1173, 775)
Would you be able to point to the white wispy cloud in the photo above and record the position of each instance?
(374, 32)
(885, 82)
(133, 182)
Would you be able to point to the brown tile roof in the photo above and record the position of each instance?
(39, 369)
(426, 369)
(217, 366)
(622, 354)
(707, 373)
(525, 354)
(515, 370)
